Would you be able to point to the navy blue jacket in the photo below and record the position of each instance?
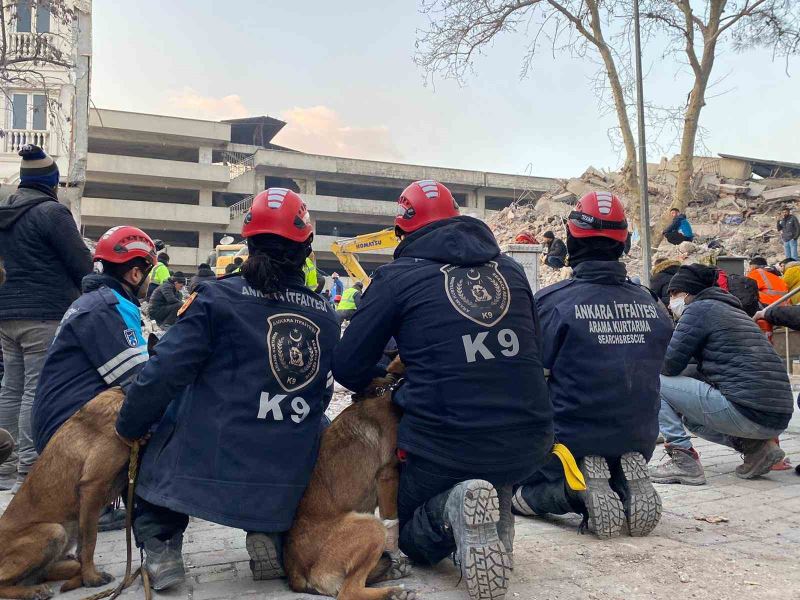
(734, 356)
(98, 345)
(604, 340)
(463, 318)
(44, 257)
(242, 382)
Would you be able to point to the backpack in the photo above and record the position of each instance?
(746, 290)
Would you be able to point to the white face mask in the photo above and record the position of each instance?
(677, 305)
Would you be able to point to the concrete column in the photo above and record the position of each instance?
(206, 198)
(205, 243)
(311, 187)
(472, 199)
(481, 199)
(204, 155)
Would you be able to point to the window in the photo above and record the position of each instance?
(39, 112)
(20, 111)
(24, 10)
(43, 18)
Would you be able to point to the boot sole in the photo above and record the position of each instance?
(264, 560)
(167, 579)
(486, 565)
(643, 510)
(773, 457)
(606, 513)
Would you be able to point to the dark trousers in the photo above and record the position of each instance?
(6, 445)
(676, 237)
(554, 262)
(153, 521)
(345, 315)
(424, 488)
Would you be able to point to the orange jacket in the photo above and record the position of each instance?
(770, 286)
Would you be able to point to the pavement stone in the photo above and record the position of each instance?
(755, 555)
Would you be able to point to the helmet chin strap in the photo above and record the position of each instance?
(135, 288)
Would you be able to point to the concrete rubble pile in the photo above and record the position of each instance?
(729, 217)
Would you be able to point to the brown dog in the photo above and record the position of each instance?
(80, 471)
(336, 544)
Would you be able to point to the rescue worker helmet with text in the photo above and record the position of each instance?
(422, 203)
(124, 243)
(599, 214)
(280, 212)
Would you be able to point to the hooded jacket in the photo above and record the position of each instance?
(681, 224)
(733, 355)
(603, 340)
(662, 275)
(43, 254)
(77, 367)
(463, 318)
(202, 275)
(238, 387)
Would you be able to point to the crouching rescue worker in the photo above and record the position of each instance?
(738, 393)
(476, 415)
(99, 343)
(237, 388)
(603, 341)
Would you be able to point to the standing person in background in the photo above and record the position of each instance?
(204, 273)
(556, 251)
(166, 300)
(789, 228)
(679, 230)
(349, 302)
(159, 275)
(770, 286)
(45, 260)
(337, 286)
(314, 281)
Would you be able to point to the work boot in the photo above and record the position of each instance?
(505, 526)
(604, 507)
(111, 519)
(163, 562)
(683, 467)
(758, 455)
(7, 481)
(18, 483)
(472, 512)
(640, 499)
(265, 555)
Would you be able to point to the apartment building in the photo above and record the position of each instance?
(190, 182)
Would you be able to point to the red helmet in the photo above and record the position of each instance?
(124, 243)
(424, 202)
(278, 211)
(599, 214)
(526, 238)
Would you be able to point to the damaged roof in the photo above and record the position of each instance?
(768, 168)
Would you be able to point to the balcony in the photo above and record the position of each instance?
(160, 215)
(154, 172)
(14, 139)
(39, 46)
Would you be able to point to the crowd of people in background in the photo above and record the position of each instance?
(687, 356)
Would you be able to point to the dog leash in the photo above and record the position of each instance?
(112, 593)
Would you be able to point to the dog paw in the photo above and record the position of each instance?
(97, 579)
(401, 567)
(42, 592)
(402, 594)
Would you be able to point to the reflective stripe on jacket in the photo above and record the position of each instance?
(348, 301)
(770, 286)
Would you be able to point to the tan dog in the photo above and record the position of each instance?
(336, 544)
(81, 471)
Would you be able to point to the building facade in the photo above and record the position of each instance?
(190, 182)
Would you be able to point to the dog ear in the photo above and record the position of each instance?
(396, 367)
(152, 340)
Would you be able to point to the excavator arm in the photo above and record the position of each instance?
(346, 251)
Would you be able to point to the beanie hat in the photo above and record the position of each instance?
(593, 248)
(693, 279)
(549, 235)
(37, 167)
(758, 261)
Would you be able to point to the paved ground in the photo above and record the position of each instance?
(754, 555)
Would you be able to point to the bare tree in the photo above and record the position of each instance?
(460, 30)
(700, 34)
(34, 60)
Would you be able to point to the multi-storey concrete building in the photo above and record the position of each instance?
(189, 182)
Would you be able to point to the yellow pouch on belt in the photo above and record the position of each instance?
(575, 479)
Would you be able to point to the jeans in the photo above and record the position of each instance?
(6, 445)
(790, 249)
(554, 262)
(153, 521)
(25, 344)
(692, 404)
(424, 488)
(676, 238)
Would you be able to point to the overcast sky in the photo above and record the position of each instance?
(342, 74)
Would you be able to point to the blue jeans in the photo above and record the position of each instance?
(692, 404)
(790, 249)
(25, 345)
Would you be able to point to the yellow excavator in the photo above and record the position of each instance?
(346, 250)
